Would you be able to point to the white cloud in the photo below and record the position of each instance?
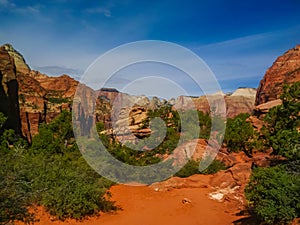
(104, 11)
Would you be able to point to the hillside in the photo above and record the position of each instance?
(41, 98)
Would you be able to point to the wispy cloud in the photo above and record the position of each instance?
(254, 40)
(14, 8)
(35, 9)
(100, 10)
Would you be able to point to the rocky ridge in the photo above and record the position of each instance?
(41, 98)
(285, 70)
(240, 101)
(9, 104)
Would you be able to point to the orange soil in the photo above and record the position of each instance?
(144, 205)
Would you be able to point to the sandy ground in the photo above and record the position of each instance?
(144, 205)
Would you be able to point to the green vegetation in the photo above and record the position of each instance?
(239, 134)
(51, 173)
(56, 137)
(58, 100)
(13, 188)
(274, 193)
(192, 167)
(174, 131)
(282, 123)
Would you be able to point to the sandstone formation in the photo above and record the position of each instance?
(42, 98)
(19, 61)
(241, 101)
(285, 70)
(226, 186)
(28, 97)
(9, 104)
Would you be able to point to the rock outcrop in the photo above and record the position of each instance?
(241, 101)
(29, 97)
(285, 70)
(41, 98)
(9, 104)
(19, 61)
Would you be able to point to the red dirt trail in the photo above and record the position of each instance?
(143, 205)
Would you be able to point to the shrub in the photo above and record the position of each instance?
(53, 174)
(58, 100)
(192, 167)
(68, 187)
(14, 190)
(274, 195)
(189, 169)
(282, 124)
(239, 134)
(56, 137)
(214, 167)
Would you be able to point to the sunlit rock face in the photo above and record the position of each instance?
(9, 104)
(285, 70)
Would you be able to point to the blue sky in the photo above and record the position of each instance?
(238, 39)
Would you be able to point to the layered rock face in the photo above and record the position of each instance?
(35, 98)
(9, 104)
(285, 70)
(19, 61)
(42, 98)
(28, 97)
(240, 101)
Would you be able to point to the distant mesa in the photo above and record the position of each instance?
(58, 70)
(243, 91)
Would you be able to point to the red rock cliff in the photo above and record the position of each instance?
(285, 70)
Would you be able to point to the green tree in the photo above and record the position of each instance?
(239, 134)
(282, 124)
(274, 193)
(56, 137)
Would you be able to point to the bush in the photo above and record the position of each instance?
(282, 124)
(192, 167)
(274, 195)
(51, 173)
(214, 167)
(14, 191)
(239, 134)
(189, 169)
(67, 186)
(56, 137)
(58, 100)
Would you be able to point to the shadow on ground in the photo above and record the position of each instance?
(249, 218)
(246, 221)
